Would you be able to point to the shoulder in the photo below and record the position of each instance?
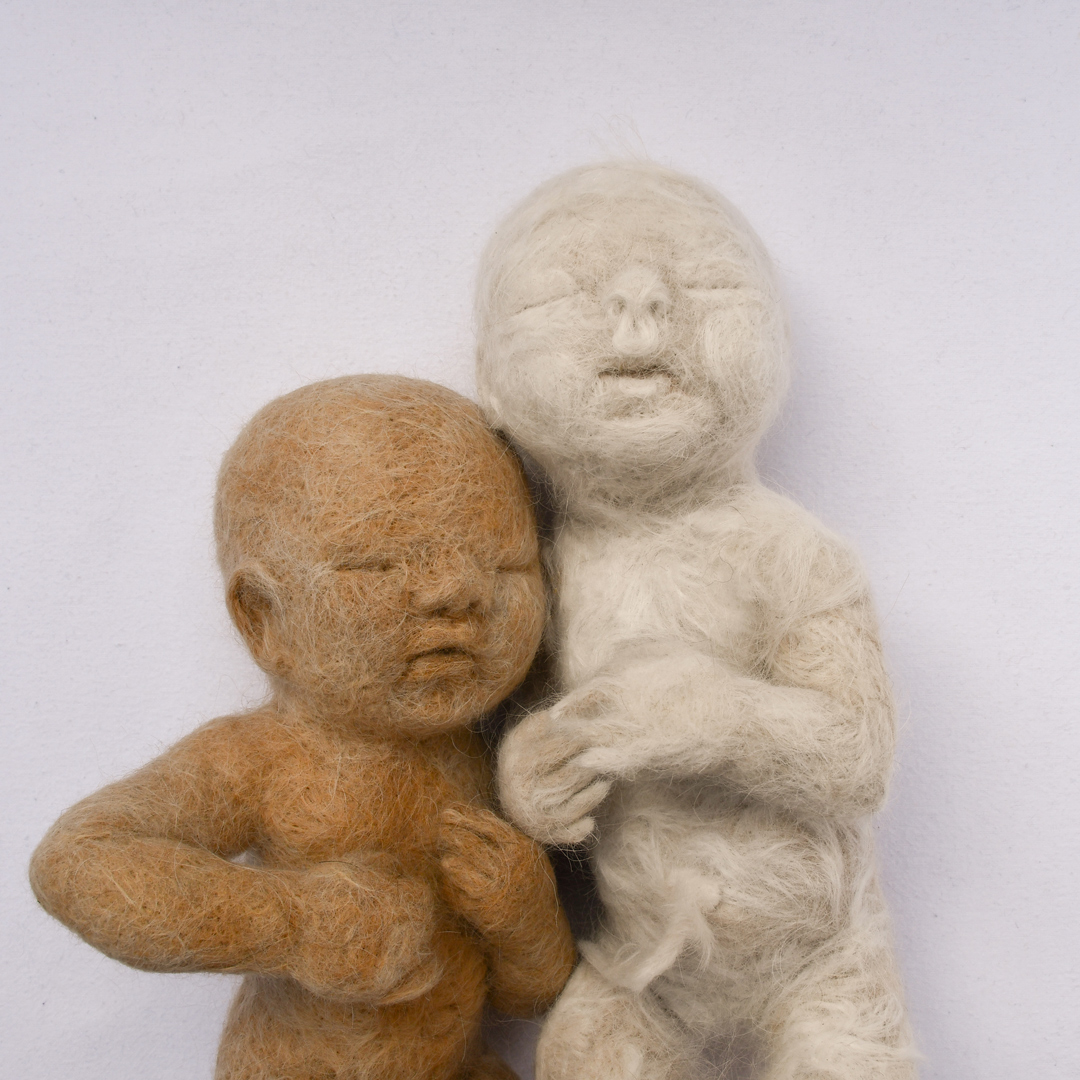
(236, 732)
(793, 559)
(212, 774)
(231, 750)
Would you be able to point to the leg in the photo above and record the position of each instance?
(842, 1017)
(604, 1032)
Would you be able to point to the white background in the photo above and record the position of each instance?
(207, 204)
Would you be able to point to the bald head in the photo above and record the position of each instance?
(315, 465)
(630, 333)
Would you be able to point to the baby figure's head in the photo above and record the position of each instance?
(380, 554)
(631, 337)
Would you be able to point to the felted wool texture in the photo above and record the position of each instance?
(337, 844)
(723, 729)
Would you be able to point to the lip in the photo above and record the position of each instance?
(439, 636)
(629, 369)
(638, 383)
(442, 662)
(449, 652)
(638, 375)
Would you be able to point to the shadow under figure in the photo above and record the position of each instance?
(381, 561)
(723, 729)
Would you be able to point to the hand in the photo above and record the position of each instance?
(502, 883)
(363, 932)
(545, 783)
(490, 870)
(683, 704)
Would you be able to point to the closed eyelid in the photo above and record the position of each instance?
(537, 304)
(370, 564)
(538, 289)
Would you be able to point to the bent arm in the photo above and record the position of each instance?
(141, 868)
(813, 734)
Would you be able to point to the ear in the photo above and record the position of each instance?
(256, 611)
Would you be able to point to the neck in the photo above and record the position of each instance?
(609, 505)
(293, 702)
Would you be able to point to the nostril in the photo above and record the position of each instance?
(636, 335)
(450, 597)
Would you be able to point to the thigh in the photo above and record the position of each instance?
(605, 1032)
(843, 1016)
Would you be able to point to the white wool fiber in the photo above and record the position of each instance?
(725, 727)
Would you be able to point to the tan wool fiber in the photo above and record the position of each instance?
(722, 730)
(337, 844)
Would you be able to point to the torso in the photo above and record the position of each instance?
(672, 849)
(329, 796)
(683, 577)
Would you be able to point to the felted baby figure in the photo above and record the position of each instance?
(725, 728)
(336, 844)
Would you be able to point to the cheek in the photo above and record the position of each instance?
(741, 343)
(543, 348)
(362, 622)
(517, 624)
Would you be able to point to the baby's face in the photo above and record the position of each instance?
(630, 331)
(426, 604)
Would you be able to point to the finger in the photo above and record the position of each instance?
(589, 798)
(460, 874)
(569, 781)
(543, 740)
(466, 829)
(576, 833)
(611, 760)
(584, 705)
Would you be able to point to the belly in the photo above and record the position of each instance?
(276, 1028)
(685, 871)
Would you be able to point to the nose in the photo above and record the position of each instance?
(637, 304)
(451, 586)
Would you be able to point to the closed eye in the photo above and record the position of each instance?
(373, 565)
(535, 306)
(526, 566)
(705, 289)
(541, 290)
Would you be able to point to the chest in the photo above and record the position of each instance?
(686, 580)
(326, 801)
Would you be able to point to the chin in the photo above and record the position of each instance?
(441, 705)
(638, 401)
(636, 430)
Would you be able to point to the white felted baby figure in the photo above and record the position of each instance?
(726, 729)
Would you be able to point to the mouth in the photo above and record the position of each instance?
(441, 662)
(638, 378)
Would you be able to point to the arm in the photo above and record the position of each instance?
(142, 871)
(812, 732)
(502, 883)
(813, 735)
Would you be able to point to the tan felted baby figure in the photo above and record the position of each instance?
(335, 844)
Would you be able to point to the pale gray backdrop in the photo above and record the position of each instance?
(207, 204)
